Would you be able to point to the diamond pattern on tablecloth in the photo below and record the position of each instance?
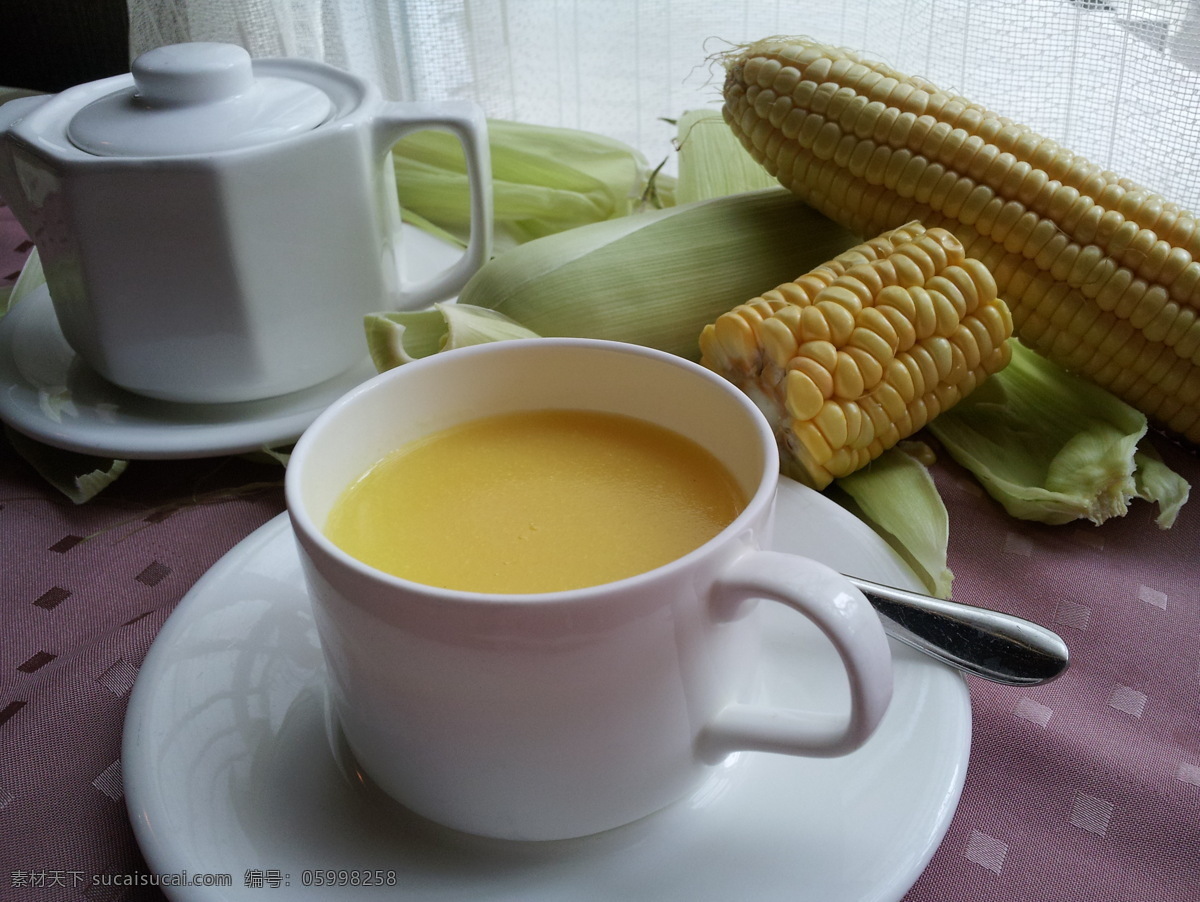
(1034, 712)
(1091, 814)
(1152, 596)
(153, 574)
(1017, 544)
(119, 678)
(9, 711)
(66, 543)
(110, 782)
(52, 598)
(986, 851)
(36, 662)
(1072, 614)
(1188, 773)
(1129, 700)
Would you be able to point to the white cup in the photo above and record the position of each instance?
(554, 715)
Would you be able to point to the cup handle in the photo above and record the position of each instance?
(845, 616)
(466, 121)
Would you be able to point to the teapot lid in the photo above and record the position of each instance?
(197, 98)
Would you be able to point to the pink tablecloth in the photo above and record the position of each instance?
(1082, 790)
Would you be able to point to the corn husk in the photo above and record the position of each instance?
(398, 338)
(32, 276)
(545, 180)
(80, 477)
(896, 495)
(1052, 447)
(712, 161)
(656, 278)
(1159, 484)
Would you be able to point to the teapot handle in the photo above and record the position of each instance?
(466, 121)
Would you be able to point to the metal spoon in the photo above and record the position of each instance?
(978, 641)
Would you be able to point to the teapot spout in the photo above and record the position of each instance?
(11, 191)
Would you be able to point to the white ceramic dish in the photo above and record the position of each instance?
(231, 767)
(49, 394)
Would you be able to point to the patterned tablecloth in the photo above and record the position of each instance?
(1085, 789)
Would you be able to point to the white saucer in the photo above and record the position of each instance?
(230, 766)
(50, 395)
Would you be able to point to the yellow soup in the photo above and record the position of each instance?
(536, 502)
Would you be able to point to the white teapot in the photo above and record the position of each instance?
(213, 228)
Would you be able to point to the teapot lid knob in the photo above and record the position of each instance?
(198, 72)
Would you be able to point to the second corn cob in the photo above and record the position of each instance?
(1101, 275)
(864, 350)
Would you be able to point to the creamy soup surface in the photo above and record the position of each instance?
(536, 501)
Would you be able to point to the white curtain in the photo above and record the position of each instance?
(1115, 80)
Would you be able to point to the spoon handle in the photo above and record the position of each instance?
(978, 641)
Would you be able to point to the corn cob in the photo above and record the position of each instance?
(1101, 275)
(864, 350)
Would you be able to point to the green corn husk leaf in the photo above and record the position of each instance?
(1159, 484)
(545, 180)
(896, 496)
(712, 161)
(268, 455)
(420, 222)
(78, 476)
(32, 275)
(1052, 447)
(657, 278)
(398, 338)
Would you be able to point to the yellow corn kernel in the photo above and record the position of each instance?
(804, 399)
(806, 435)
(822, 351)
(820, 376)
(847, 377)
(840, 319)
(831, 421)
(779, 342)
(925, 320)
(869, 367)
(734, 335)
(813, 325)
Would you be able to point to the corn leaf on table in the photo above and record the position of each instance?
(1083, 789)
